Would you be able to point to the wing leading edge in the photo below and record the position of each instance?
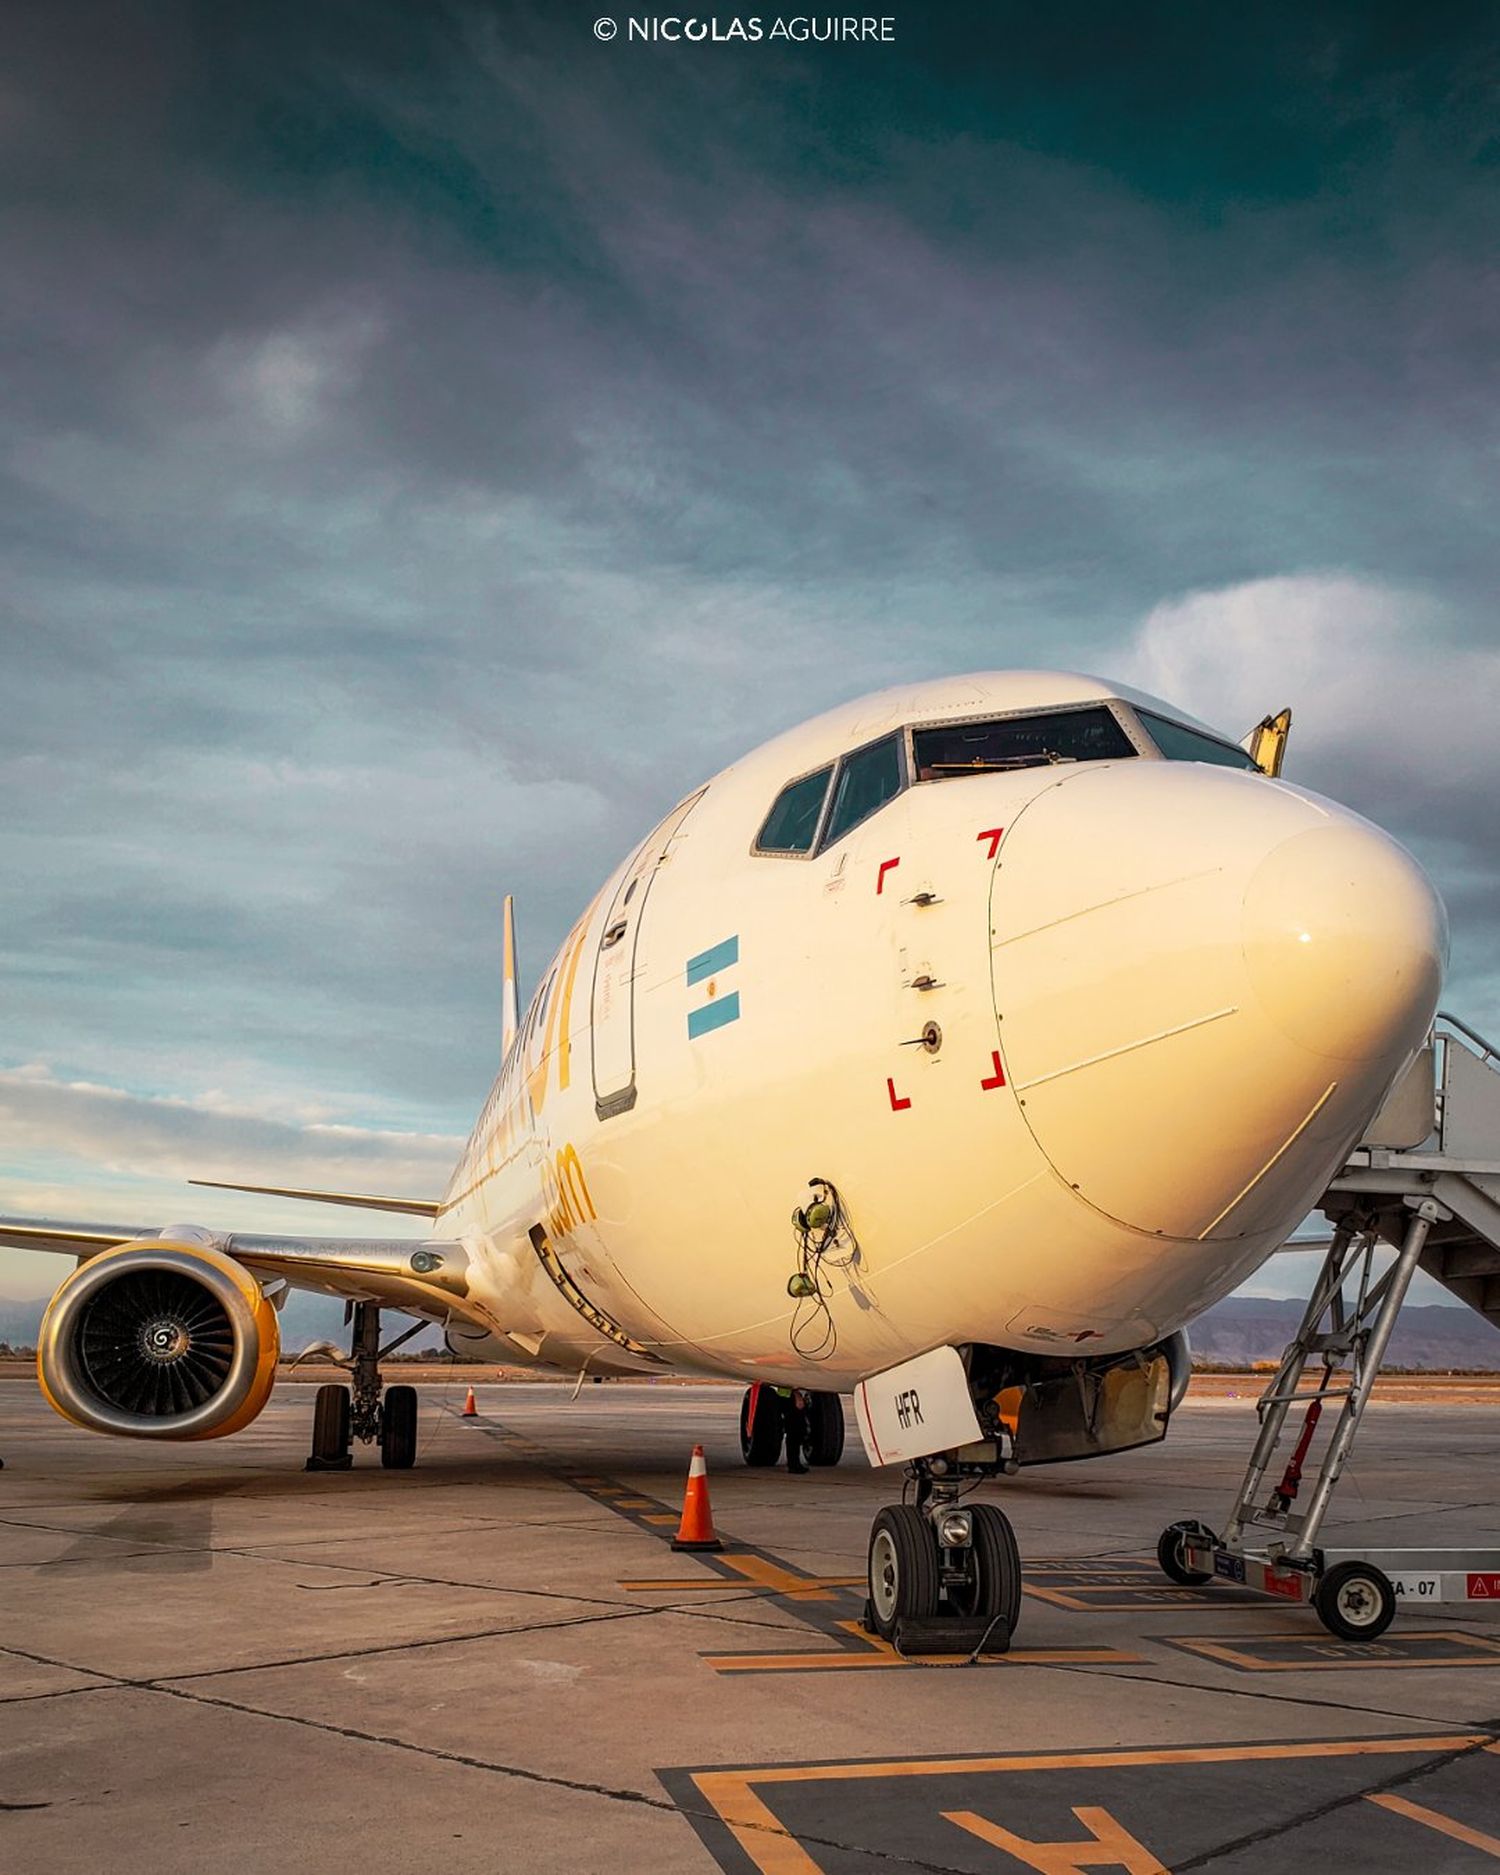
(426, 1277)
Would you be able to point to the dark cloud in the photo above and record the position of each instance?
(433, 440)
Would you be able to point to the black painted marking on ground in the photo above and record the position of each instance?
(821, 1605)
(1287, 1653)
(1326, 1803)
(1117, 1584)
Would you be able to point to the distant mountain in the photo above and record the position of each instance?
(1234, 1333)
(1242, 1330)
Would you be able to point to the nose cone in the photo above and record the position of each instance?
(1344, 942)
(1205, 984)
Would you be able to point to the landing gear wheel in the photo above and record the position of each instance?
(825, 1420)
(993, 1589)
(330, 1433)
(762, 1434)
(903, 1569)
(1355, 1601)
(1169, 1552)
(398, 1429)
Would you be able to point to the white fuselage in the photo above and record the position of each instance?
(1161, 1000)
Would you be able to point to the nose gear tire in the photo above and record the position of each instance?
(993, 1588)
(903, 1569)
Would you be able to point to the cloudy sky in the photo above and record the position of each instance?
(434, 439)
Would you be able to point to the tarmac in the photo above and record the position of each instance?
(212, 1659)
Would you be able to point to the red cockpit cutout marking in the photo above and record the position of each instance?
(885, 866)
(898, 1105)
(997, 1079)
(993, 835)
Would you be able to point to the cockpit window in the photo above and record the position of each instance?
(1086, 735)
(792, 824)
(867, 780)
(1180, 744)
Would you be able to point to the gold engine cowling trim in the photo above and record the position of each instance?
(252, 1371)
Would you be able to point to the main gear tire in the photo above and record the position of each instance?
(398, 1428)
(330, 1429)
(762, 1426)
(825, 1420)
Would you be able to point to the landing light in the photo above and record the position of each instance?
(955, 1529)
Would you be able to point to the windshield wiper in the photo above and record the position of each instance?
(986, 764)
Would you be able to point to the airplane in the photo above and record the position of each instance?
(953, 1050)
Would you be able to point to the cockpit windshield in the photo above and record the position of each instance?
(1180, 744)
(1084, 735)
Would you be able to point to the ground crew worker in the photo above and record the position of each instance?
(794, 1414)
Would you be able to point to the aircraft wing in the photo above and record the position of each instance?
(426, 1277)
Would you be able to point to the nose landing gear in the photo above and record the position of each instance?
(342, 1414)
(944, 1577)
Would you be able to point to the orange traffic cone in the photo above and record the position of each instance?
(696, 1531)
(471, 1407)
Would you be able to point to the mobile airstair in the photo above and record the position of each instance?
(1425, 1180)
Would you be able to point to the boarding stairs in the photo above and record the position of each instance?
(1426, 1179)
(1438, 1136)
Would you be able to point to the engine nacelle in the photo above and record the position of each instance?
(159, 1340)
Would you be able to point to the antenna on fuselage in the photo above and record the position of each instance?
(509, 1019)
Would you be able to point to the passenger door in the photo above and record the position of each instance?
(615, 968)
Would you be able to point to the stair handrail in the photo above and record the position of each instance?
(1487, 1048)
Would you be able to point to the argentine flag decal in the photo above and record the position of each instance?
(703, 972)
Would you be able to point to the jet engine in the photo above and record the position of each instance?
(159, 1339)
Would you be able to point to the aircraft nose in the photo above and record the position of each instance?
(1205, 983)
(1344, 941)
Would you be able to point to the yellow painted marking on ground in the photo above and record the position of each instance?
(1057, 1597)
(768, 1575)
(773, 1850)
(1444, 1825)
(664, 1517)
(740, 1583)
(1108, 1845)
(879, 1653)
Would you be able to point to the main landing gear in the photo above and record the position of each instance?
(944, 1577)
(763, 1427)
(342, 1414)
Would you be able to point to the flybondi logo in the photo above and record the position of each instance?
(671, 28)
